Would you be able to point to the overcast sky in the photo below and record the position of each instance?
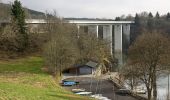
(97, 8)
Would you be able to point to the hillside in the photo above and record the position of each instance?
(5, 12)
(23, 79)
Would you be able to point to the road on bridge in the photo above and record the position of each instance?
(99, 86)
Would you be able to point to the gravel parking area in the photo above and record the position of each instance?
(96, 86)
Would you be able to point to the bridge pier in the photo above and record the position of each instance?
(118, 45)
(117, 34)
(97, 31)
(126, 37)
(107, 35)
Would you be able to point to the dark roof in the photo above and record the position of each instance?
(91, 64)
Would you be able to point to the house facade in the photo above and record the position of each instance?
(87, 69)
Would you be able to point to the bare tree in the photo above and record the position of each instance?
(149, 54)
(95, 49)
(130, 76)
(60, 53)
(65, 47)
(61, 50)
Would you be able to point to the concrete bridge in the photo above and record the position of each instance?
(116, 32)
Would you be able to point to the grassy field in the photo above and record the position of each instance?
(23, 79)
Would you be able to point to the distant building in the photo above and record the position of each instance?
(87, 69)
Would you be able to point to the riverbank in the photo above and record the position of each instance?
(120, 85)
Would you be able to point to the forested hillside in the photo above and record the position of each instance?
(5, 12)
(147, 21)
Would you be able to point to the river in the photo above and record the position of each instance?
(162, 86)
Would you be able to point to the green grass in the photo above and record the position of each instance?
(23, 79)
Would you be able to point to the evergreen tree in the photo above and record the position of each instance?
(138, 24)
(117, 19)
(157, 15)
(137, 20)
(168, 16)
(150, 22)
(157, 21)
(136, 28)
(18, 21)
(150, 15)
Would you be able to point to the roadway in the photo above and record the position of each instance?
(99, 86)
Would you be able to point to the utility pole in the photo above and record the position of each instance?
(168, 87)
(114, 92)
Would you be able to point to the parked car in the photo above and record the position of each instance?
(84, 93)
(69, 83)
(140, 91)
(123, 92)
(78, 90)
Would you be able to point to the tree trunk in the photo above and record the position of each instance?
(131, 84)
(154, 85)
(60, 71)
(149, 93)
(60, 68)
(55, 71)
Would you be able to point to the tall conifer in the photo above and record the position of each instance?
(18, 21)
